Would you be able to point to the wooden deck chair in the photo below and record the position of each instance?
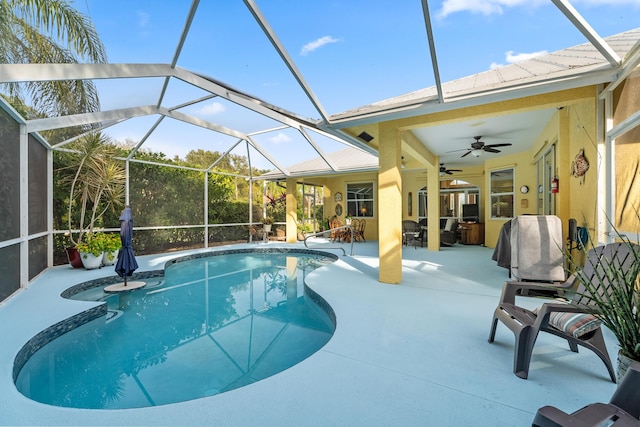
(568, 321)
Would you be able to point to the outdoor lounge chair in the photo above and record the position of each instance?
(552, 316)
(622, 410)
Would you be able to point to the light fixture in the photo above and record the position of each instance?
(441, 173)
(476, 153)
(363, 211)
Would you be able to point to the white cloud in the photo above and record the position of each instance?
(311, 46)
(212, 109)
(512, 57)
(609, 2)
(279, 138)
(497, 7)
(143, 18)
(484, 7)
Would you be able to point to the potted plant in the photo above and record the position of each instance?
(96, 182)
(267, 223)
(111, 244)
(91, 250)
(303, 229)
(618, 306)
(347, 219)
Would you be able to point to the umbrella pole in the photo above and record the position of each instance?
(125, 280)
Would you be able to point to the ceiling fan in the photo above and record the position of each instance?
(477, 147)
(444, 170)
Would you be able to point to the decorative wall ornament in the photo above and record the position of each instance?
(580, 166)
(338, 209)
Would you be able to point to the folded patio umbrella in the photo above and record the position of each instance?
(126, 264)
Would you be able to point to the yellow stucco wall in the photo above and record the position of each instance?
(338, 183)
(627, 158)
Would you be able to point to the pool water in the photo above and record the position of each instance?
(209, 325)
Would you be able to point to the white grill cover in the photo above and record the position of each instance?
(536, 248)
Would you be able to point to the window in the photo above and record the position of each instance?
(454, 193)
(360, 199)
(502, 194)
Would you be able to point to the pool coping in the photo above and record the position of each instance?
(395, 357)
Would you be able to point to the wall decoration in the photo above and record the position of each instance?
(580, 166)
(338, 197)
(338, 209)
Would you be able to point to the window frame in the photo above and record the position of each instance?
(370, 204)
(498, 195)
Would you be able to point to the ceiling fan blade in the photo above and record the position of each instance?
(448, 172)
(491, 150)
(455, 170)
(499, 145)
(466, 154)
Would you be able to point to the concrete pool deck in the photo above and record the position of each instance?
(402, 355)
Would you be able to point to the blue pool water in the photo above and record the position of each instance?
(209, 325)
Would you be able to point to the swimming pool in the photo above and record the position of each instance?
(208, 325)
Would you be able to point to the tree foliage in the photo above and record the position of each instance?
(49, 31)
(165, 195)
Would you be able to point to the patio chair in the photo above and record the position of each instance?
(567, 321)
(336, 235)
(358, 229)
(449, 234)
(256, 234)
(411, 233)
(622, 410)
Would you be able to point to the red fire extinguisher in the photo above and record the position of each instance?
(554, 185)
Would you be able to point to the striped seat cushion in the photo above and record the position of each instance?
(575, 324)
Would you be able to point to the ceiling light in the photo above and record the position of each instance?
(476, 153)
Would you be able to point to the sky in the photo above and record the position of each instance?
(350, 52)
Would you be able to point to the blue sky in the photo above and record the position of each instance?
(351, 53)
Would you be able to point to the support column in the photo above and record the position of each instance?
(390, 206)
(292, 208)
(433, 206)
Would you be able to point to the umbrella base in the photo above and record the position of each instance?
(120, 287)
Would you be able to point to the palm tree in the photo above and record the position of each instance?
(49, 31)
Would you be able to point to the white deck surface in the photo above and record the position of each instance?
(414, 354)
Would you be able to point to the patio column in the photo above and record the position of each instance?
(390, 205)
(292, 208)
(433, 206)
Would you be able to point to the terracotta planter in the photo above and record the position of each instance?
(623, 365)
(74, 258)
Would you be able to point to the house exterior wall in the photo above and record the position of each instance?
(627, 158)
(338, 183)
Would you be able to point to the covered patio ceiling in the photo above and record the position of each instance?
(254, 122)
